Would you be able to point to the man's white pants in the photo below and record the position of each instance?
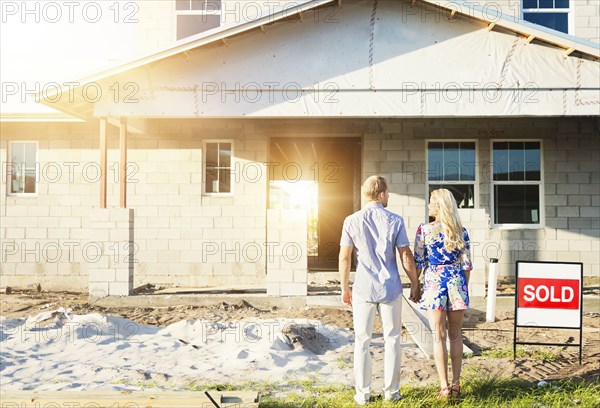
(391, 322)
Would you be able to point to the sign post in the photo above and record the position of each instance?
(549, 295)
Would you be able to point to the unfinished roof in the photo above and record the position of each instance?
(368, 43)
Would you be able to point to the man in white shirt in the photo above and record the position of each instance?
(376, 234)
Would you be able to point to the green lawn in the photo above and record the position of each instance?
(477, 392)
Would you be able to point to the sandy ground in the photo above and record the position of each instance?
(480, 336)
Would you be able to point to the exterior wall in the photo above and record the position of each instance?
(156, 26)
(45, 238)
(287, 234)
(181, 237)
(571, 184)
(587, 20)
(184, 238)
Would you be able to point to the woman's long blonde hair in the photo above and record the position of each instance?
(449, 218)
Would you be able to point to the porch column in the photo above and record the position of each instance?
(287, 252)
(110, 255)
(123, 165)
(103, 161)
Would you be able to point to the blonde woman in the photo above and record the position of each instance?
(442, 252)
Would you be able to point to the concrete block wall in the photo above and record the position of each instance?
(572, 194)
(112, 269)
(398, 152)
(287, 267)
(185, 238)
(587, 20)
(571, 175)
(45, 237)
(155, 26)
(182, 238)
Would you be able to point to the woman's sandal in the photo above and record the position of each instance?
(455, 391)
(445, 393)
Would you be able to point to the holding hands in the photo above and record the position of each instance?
(415, 293)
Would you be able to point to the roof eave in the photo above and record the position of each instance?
(187, 44)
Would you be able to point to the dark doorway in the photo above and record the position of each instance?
(321, 175)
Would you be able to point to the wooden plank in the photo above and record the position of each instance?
(157, 399)
(417, 329)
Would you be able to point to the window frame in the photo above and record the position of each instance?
(9, 162)
(542, 211)
(569, 11)
(204, 167)
(475, 182)
(177, 13)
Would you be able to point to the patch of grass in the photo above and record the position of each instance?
(136, 383)
(478, 391)
(344, 362)
(264, 386)
(533, 354)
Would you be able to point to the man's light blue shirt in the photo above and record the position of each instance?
(375, 233)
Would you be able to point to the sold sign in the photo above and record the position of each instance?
(542, 293)
(549, 294)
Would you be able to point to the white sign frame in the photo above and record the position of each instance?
(549, 318)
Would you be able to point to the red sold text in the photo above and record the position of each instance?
(549, 293)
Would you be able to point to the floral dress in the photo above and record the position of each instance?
(445, 286)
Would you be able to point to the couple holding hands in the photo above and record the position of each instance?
(441, 251)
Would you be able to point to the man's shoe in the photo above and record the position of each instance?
(360, 400)
(393, 397)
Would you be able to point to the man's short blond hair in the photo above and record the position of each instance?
(374, 186)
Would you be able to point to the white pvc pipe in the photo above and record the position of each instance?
(490, 312)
